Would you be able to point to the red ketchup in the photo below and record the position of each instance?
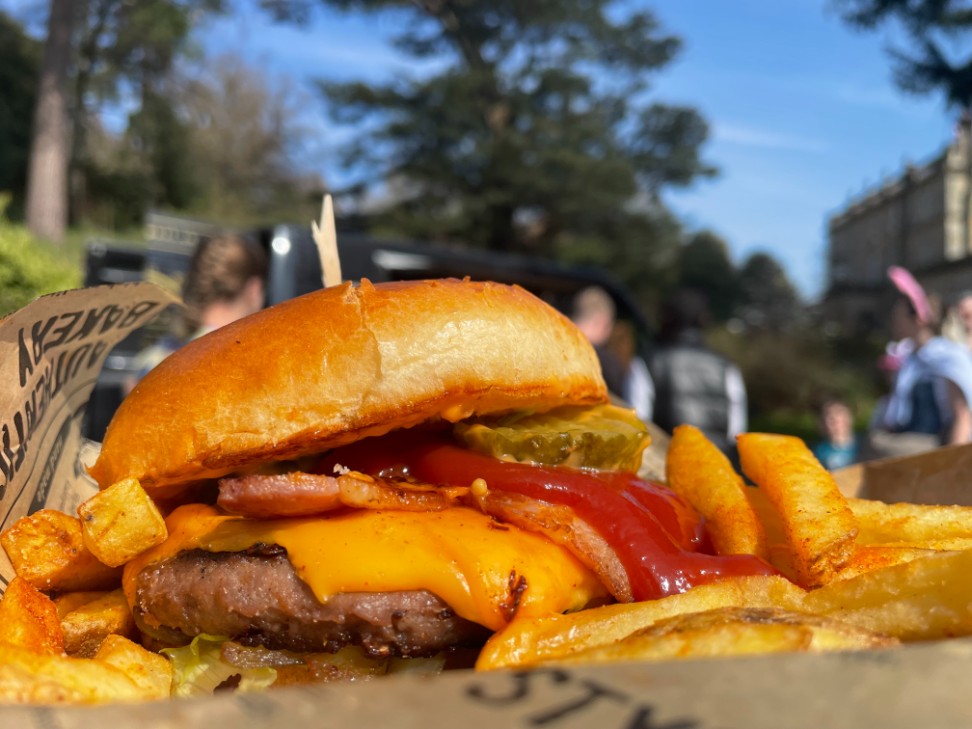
(654, 533)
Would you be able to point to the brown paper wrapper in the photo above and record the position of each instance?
(906, 688)
(941, 476)
(51, 353)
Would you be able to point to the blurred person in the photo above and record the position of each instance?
(693, 384)
(958, 321)
(888, 364)
(225, 281)
(839, 445)
(929, 404)
(963, 309)
(594, 314)
(638, 389)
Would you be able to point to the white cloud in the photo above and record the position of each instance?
(886, 97)
(766, 139)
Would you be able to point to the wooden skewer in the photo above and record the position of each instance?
(325, 236)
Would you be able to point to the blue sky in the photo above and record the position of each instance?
(804, 115)
(802, 109)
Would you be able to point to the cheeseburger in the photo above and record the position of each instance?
(401, 467)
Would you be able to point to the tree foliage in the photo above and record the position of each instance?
(935, 29)
(246, 136)
(102, 52)
(767, 297)
(788, 373)
(216, 138)
(538, 133)
(131, 49)
(704, 264)
(19, 65)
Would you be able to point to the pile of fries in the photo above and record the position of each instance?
(79, 645)
(854, 574)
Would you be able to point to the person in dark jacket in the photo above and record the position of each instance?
(695, 385)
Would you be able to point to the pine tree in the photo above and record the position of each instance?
(538, 134)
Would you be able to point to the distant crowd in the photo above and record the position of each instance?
(926, 369)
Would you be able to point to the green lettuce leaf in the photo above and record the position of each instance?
(198, 669)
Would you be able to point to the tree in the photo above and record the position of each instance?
(769, 300)
(97, 52)
(704, 264)
(19, 71)
(932, 27)
(538, 134)
(163, 141)
(46, 206)
(130, 49)
(246, 135)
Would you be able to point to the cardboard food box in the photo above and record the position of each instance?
(52, 352)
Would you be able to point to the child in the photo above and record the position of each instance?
(839, 446)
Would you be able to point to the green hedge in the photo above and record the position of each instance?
(30, 267)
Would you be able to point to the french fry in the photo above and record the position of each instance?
(29, 620)
(36, 678)
(527, 641)
(882, 523)
(952, 544)
(702, 475)
(732, 632)
(150, 672)
(695, 636)
(121, 522)
(819, 526)
(778, 548)
(47, 550)
(34, 672)
(71, 601)
(88, 625)
(924, 599)
(877, 556)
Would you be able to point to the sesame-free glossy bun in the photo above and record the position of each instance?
(339, 364)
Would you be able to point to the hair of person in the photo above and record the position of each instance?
(686, 308)
(932, 319)
(624, 340)
(593, 301)
(960, 297)
(828, 400)
(936, 312)
(219, 270)
(954, 316)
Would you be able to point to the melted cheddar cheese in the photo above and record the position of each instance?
(459, 554)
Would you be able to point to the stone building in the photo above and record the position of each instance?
(920, 221)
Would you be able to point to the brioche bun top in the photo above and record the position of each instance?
(340, 364)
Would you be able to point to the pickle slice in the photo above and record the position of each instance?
(604, 437)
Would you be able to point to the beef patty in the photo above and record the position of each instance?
(256, 597)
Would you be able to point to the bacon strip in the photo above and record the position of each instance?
(307, 494)
(561, 525)
(286, 494)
